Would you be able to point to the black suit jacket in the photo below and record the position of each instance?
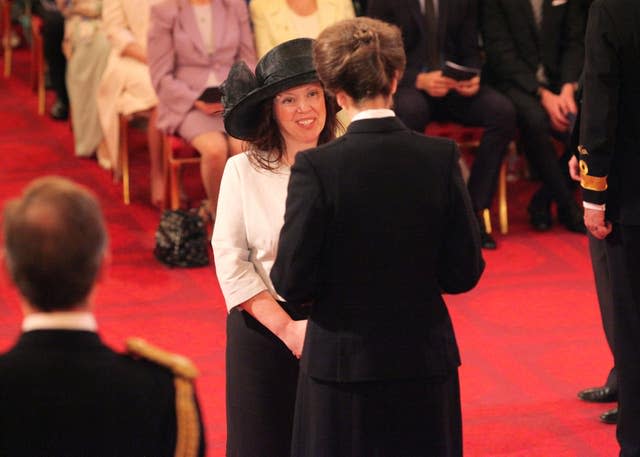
(65, 394)
(515, 46)
(377, 225)
(610, 124)
(457, 31)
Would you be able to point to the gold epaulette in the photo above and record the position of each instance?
(187, 415)
(178, 364)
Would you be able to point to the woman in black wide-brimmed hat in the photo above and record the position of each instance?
(279, 111)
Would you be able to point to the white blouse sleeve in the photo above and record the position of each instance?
(237, 275)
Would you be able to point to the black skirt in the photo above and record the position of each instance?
(262, 374)
(390, 418)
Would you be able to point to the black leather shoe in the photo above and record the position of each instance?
(572, 217)
(602, 394)
(539, 217)
(609, 417)
(59, 111)
(487, 240)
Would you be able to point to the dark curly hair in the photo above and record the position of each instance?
(268, 147)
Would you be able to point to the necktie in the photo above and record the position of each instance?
(431, 27)
(536, 6)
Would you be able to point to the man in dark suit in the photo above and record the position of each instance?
(434, 32)
(63, 392)
(534, 51)
(609, 164)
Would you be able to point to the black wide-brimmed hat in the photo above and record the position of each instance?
(288, 65)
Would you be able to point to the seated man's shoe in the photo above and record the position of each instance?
(602, 394)
(487, 240)
(59, 111)
(539, 217)
(609, 417)
(572, 217)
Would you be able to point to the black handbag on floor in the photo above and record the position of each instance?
(181, 239)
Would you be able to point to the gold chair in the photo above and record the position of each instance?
(468, 139)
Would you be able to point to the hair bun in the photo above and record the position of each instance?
(364, 36)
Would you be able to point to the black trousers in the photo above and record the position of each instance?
(488, 109)
(387, 418)
(598, 253)
(52, 36)
(623, 256)
(260, 389)
(535, 136)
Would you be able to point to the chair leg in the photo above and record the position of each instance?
(502, 199)
(5, 15)
(8, 52)
(39, 65)
(175, 185)
(123, 159)
(486, 218)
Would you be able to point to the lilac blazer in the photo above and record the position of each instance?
(178, 62)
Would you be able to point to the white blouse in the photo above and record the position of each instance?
(249, 217)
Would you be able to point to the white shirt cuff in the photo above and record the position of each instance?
(595, 206)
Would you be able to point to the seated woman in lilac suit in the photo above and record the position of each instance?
(192, 45)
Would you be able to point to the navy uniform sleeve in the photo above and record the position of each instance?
(600, 105)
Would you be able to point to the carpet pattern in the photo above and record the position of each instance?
(529, 334)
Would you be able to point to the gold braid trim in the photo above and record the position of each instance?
(188, 436)
(187, 420)
(595, 183)
(180, 365)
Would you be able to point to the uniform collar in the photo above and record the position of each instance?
(373, 114)
(60, 320)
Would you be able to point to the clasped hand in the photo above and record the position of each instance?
(293, 336)
(208, 108)
(436, 85)
(560, 107)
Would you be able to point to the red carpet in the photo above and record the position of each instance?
(530, 335)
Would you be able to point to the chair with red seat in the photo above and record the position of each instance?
(468, 139)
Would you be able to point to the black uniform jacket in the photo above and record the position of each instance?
(610, 126)
(377, 225)
(63, 393)
(514, 45)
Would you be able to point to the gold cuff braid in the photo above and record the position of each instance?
(595, 183)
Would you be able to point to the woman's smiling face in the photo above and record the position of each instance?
(300, 113)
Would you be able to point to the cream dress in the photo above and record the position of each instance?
(125, 87)
(87, 49)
